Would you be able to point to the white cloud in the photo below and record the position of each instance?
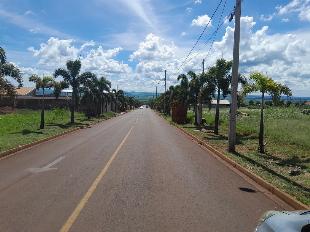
(283, 56)
(285, 20)
(266, 18)
(202, 21)
(301, 7)
(154, 55)
(197, 1)
(189, 10)
(29, 12)
(56, 52)
(153, 48)
(183, 33)
(24, 22)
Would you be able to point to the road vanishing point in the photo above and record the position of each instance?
(135, 173)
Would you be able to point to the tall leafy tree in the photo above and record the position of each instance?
(72, 76)
(195, 84)
(8, 70)
(58, 87)
(183, 89)
(277, 91)
(42, 83)
(221, 79)
(103, 86)
(264, 85)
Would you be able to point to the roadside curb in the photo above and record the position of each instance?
(274, 190)
(14, 151)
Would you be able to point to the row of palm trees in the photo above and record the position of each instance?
(196, 89)
(87, 88)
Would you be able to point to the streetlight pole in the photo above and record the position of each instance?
(165, 91)
(234, 82)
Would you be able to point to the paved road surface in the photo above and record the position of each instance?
(132, 173)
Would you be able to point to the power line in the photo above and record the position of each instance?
(212, 36)
(201, 34)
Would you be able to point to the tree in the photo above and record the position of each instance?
(8, 70)
(42, 83)
(58, 87)
(195, 85)
(277, 91)
(221, 80)
(103, 86)
(184, 89)
(94, 93)
(206, 93)
(264, 85)
(72, 76)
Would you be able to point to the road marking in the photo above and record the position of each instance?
(47, 167)
(70, 221)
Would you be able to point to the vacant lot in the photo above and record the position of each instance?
(287, 131)
(22, 126)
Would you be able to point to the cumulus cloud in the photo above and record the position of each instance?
(154, 55)
(153, 48)
(55, 52)
(202, 21)
(266, 18)
(197, 1)
(301, 7)
(283, 56)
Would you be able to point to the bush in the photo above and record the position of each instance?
(190, 118)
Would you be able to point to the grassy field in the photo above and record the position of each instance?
(287, 133)
(22, 126)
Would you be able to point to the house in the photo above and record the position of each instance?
(222, 103)
(25, 91)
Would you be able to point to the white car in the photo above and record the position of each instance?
(141, 107)
(285, 221)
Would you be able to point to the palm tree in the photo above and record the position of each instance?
(72, 76)
(103, 86)
(42, 83)
(195, 85)
(221, 79)
(206, 92)
(265, 85)
(58, 87)
(184, 88)
(8, 69)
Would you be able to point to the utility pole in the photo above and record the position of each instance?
(199, 105)
(203, 66)
(234, 82)
(156, 92)
(165, 91)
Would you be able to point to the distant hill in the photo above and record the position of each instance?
(147, 95)
(141, 95)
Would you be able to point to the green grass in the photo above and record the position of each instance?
(22, 126)
(287, 133)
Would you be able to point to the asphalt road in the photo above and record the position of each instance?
(132, 173)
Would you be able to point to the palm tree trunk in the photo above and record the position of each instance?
(195, 109)
(73, 104)
(199, 115)
(217, 113)
(261, 126)
(42, 112)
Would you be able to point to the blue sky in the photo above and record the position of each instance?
(132, 42)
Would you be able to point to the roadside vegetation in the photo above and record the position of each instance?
(272, 137)
(20, 127)
(286, 163)
(89, 103)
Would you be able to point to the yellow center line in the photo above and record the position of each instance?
(70, 221)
